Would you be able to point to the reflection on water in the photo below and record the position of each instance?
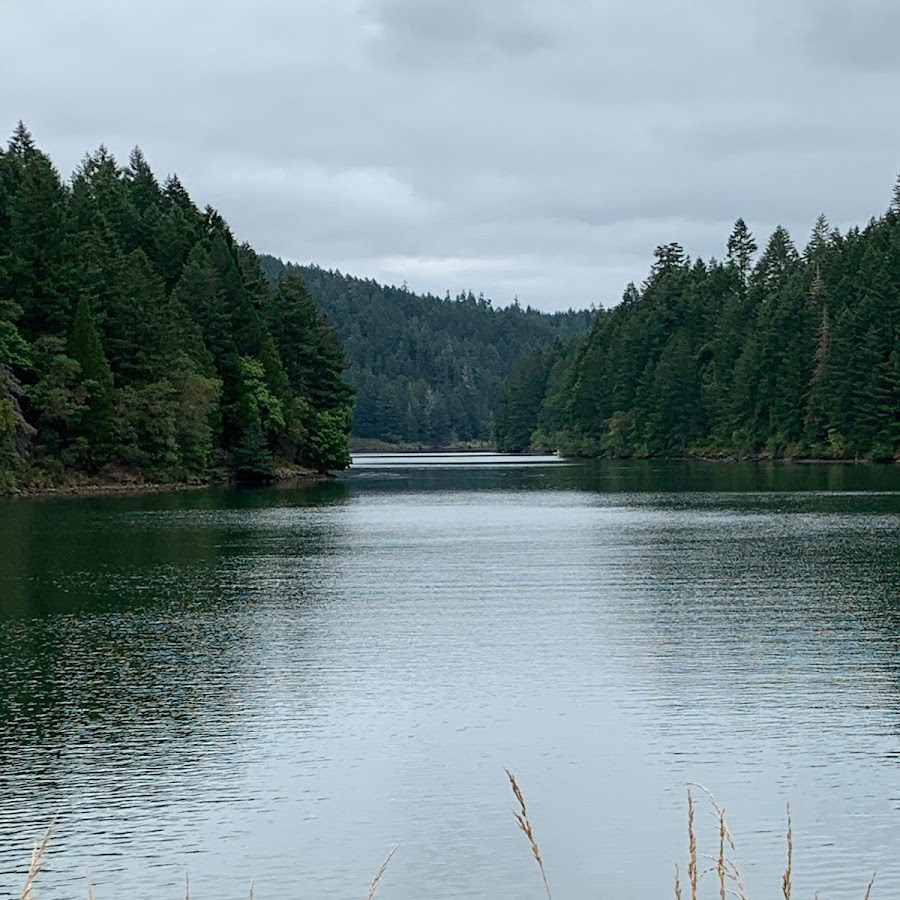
(280, 686)
(456, 460)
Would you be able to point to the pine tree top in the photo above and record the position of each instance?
(21, 142)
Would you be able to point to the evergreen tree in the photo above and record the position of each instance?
(34, 269)
(57, 405)
(741, 248)
(252, 459)
(86, 348)
(314, 362)
(519, 412)
(775, 263)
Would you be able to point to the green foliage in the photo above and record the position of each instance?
(34, 265)
(58, 404)
(313, 363)
(257, 396)
(252, 460)
(518, 414)
(327, 445)
(14, 349)
(794, 356)
(86, 348)
(146, 433)
(134, 336)
(196, 400)
(16, 434)
(96, 425)
(619, 439)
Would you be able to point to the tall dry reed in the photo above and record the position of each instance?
(379, 874)
(521, 816)
(789, 869)
(37, 863)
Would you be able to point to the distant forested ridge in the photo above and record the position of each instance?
(137, 337)
(783, 354)
(427, 370)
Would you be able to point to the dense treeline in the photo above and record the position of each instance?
(136, 335)
(782, 354)
(426, 369)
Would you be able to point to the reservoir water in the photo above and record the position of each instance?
(280, 686)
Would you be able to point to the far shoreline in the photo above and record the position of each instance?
(78, 485)
(378, 448)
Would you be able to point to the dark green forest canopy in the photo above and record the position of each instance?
(138, 336)
(426, 369)
(786, 354)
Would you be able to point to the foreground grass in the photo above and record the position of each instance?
(721, 867)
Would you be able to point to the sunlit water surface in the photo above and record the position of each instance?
(279, 687)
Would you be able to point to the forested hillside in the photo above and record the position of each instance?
(426, 369)
(137, 337)
(786, 353)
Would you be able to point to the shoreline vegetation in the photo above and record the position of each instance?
(381, 447)
(373, 445)
(720, 867)
(81, 485)
(141, 344)
(786, 354)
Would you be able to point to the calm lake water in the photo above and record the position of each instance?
(280, 686)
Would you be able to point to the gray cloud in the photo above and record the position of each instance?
(435, 33)
(860, 35)
(530, 148)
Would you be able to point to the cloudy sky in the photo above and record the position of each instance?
(530, 148)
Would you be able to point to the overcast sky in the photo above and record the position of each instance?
(530, 148)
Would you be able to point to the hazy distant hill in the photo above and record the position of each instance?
(426, 369)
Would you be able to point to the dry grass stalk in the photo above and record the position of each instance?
(379, 873)
(726, 869)
(37, 863)
(692, 848)
(869, 888)
(524, 824)
(720, 863)
(732, 871)
(788, 872)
